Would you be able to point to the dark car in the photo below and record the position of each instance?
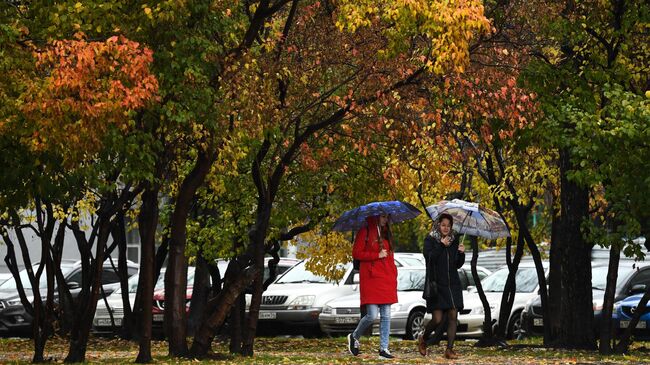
(14, 318)
(630, 274)
(626, 309)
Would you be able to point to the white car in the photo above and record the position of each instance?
(296, 299)
(343, 314)
(107, 318)
(471, 318)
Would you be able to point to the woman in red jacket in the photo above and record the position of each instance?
(377, 281)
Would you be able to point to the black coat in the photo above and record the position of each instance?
(444, 262)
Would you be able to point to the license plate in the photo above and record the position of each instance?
(107, 322)
(626, 324)
(538, 322)
(158, 317)
(267, 315)
(346, 320)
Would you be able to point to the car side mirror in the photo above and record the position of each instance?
(73, 285)
(638, 289)
(355, 278)
(471, 288)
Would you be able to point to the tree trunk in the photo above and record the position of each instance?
(257, 237)
(223, 303)
(554, 285)
(236, 320)
(87, 301)
(510, 289)
(606, 325)
(200, 293)
(541, 273)
(576, 311)
(176, 275)
(118, 233)
(487, 338)
(148, 222)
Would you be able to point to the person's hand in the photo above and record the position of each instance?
(383, 253)
(461, 248)
(446, 241)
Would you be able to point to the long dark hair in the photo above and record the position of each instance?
(385, 233)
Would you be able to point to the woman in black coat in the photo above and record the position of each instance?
(444, 256)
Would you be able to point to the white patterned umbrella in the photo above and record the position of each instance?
(471, 219)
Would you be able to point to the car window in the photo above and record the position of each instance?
(526, 279)
(10, 284)
(470, 278)
(109, 276)
(300, 274)
(642, 277)
(410, 280)
(75, 278)
(599, 276)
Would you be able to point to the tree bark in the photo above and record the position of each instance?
(87, 301)
(576, 312)
(223, 302)
(606, 325)
(554, 285)
(176, 274)
(200, 294)
(487, 338)
(510, 289)
(147, 222)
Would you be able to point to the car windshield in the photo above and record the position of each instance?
(410, 280)
(526, 280)
(599, 276)
(10, 284)
(300, 274)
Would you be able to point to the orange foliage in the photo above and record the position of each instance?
(85, 88)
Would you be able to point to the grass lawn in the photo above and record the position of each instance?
(280, 350)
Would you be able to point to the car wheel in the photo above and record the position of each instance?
(415, 324)
(515, 330)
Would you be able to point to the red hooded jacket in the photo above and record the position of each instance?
(377, 277)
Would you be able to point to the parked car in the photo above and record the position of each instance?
(342, 315)
(625, 309)
(630, 273)
(159, 295)
(470, 319)
(14, 318)
(108, 317)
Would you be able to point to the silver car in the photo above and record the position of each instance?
(342, 315)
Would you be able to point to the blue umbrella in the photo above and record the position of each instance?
(355, 219)
(471, 219)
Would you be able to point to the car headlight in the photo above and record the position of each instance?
(616, 307)
(327, 309)
(395, 307)
(14, 302)
(18, 302)
(302, 302)
(477, 311)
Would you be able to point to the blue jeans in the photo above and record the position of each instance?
(384, 323)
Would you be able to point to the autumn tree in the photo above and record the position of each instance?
(588, 50)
